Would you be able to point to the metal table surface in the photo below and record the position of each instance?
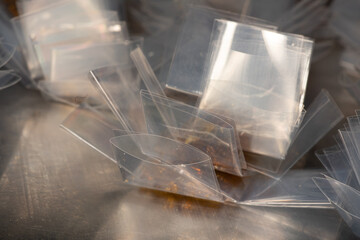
(54, 187)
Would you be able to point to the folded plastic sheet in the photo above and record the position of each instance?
(120, 86)
(165, 117)
(295, 189)
(311, 130)
(94, 127)
(163, 164)
(265, 112)
(188, 63)
(207, 132)
(254, 189)
(342, 163)
(345, 200)
(152, 161)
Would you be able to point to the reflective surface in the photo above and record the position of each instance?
(53, 186)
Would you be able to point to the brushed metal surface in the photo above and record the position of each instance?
(55, 187)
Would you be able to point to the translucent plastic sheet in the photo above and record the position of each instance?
(29, 26)
(265, 112)
(120, 86)
(334, 160)
(295, 189)
(74, 62)
(146, 162)
(312, 129)
(345, 200)
(81, 34)
(8, 78)
(166, 165)
(93, 127)
(188, 63)
(205, 131)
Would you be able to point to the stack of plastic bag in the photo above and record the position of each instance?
(342, 183)
(196, 150)
(63, 40)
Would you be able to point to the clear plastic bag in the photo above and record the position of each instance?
(84, 34)
(345, 199)
(205, 131)
(311, 130)
(163, 164)
(295, 189)
(266, 104)
(93, 127)
(188, 63)
(27, 27)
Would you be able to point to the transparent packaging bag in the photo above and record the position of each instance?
(344, 198)
(74, 62)
(163, 164)
(311, 130)
(91, 33)
(203, 130)
(146, 162)
(120, 86)
(71, 66)
(295, 189)
(188, 63)
(266, 116)
(28, 26)
(94, 127)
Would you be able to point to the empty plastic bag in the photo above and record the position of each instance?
(203, 130)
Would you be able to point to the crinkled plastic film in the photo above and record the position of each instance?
(345, 199)
(93, 128)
